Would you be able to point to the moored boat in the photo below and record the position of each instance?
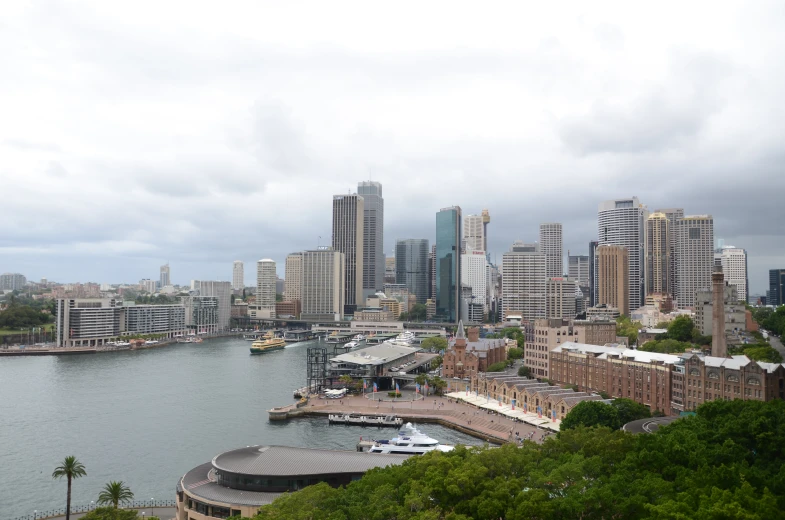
(410, 441)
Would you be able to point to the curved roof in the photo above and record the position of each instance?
(279, 461)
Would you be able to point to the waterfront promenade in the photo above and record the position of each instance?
(480, 423)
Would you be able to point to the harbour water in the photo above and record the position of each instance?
(146, 417)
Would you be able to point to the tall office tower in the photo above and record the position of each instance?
(523, 283)
(613, 277)
(165, 279)
(448, 264)
(658, 254)
(673, 215)
(323, 287)
(265, 288)
(473, 233)
(293, 278)
(223, 292)
(621, 222)
(578, 268)
(695, 257)
(486, 219)
(560, 299)
(432, 274)
(592, 273)
(733, 261)
(373, 237)
(238, 275)
(551, 245)
(389, 271)
(776, 293)
(348, 238)
(411, 266)
(474, 275)
(718, 345)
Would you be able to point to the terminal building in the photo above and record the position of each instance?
(238, 482)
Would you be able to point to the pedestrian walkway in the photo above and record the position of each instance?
(164, 513)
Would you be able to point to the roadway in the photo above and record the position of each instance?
(650, 425)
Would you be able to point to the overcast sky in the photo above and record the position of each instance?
(202, 133)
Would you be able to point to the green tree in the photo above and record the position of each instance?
(110, 513)
(681, 329)
(437, 384)
(418, 312)
(629, 410)
(524, 371)
(759, 352)
(666, 346)
(421, 379)
(627, 328)
(436, 344)
(436, 362)
(345, 380)
(515, 353)
(497, 367)
(114, 493)
(592, 413)
(71, 469)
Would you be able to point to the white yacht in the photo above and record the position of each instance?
(410, 441)
(405, 337)
(359, 337)
(352, 344)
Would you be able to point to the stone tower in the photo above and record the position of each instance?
(718, 346)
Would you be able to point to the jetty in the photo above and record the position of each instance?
(365, 420)
(28, 351)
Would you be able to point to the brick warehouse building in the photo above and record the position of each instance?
(468, 355)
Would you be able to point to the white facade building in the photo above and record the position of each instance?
(323, 284)
(621, 222)
(265, 289)
(523, 284)
(223, 292)
(474, 274)
(734, 266)
(551, 244)
(694, 257)
(238, 275)
(473, 233)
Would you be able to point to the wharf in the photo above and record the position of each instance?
(340, 338)
(7, 352)
(490, 427)
(380, 338)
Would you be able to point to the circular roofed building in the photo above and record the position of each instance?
(238, 482)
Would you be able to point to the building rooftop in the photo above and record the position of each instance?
(376, 354)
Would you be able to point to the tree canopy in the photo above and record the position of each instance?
(497, 367)
(437, 344)
(666, 346)
(515, 353)
(758, 352)
(524, 371)
(592, 413)
(725, 462)
(18, 316)
(627, 328)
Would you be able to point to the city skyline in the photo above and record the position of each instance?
(551, 115)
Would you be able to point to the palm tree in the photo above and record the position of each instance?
(115, 492)
(71, 469)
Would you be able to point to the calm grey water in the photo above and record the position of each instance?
(146, 417)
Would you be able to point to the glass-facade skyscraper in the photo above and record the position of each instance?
(373, 237)
(411, 266)
(448, 264)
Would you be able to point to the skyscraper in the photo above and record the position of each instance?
(432, 274)
(323, 286)
(223, 292)
(523, 282)
(293, 278)
(560, 298)
(613, 275)
(265, 288)
(673, 215)
(776, 292)
(348, 238)
(551, 245)
(486, 219)
(411, 266)
(474, 233)
(474, 275)
(658, 254)
(695, 257)
(448, 264)
(621, 222)
(165, 278)
(373, 237)
(578, 269)
(593, 273)
(734, 267)
(238, 275)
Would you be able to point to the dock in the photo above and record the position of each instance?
(340, 338)
(379, 338)
(45, 351)
(294, 336)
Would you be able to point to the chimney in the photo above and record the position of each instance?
(718, 347)
(473, 334)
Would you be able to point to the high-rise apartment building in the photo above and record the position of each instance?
(551, 244)
(734, 266)
(165, 279)
(238, 275)
(673, 215)
(695, 257)
(84, 322)
(578, 269)
(613, 266)
(293, 276)
(373, 237)
(474, 233)
(593, 273)
(448, 264)
(474, 274)
(523, 283)
(432, 274)
(223, 292)
(621, 222)
(265, 288)
(560, 298)
(411, 266)
(658, 254)
(323, 286)
(12, 281)
(348, 238)
(776, 293)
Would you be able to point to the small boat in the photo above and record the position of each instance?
(359, 337)
(410, 441)
(352, 344)
(268, 344)
(365, 420)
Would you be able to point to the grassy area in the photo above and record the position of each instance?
(14, 332)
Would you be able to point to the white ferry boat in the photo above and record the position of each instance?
(410, 441)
